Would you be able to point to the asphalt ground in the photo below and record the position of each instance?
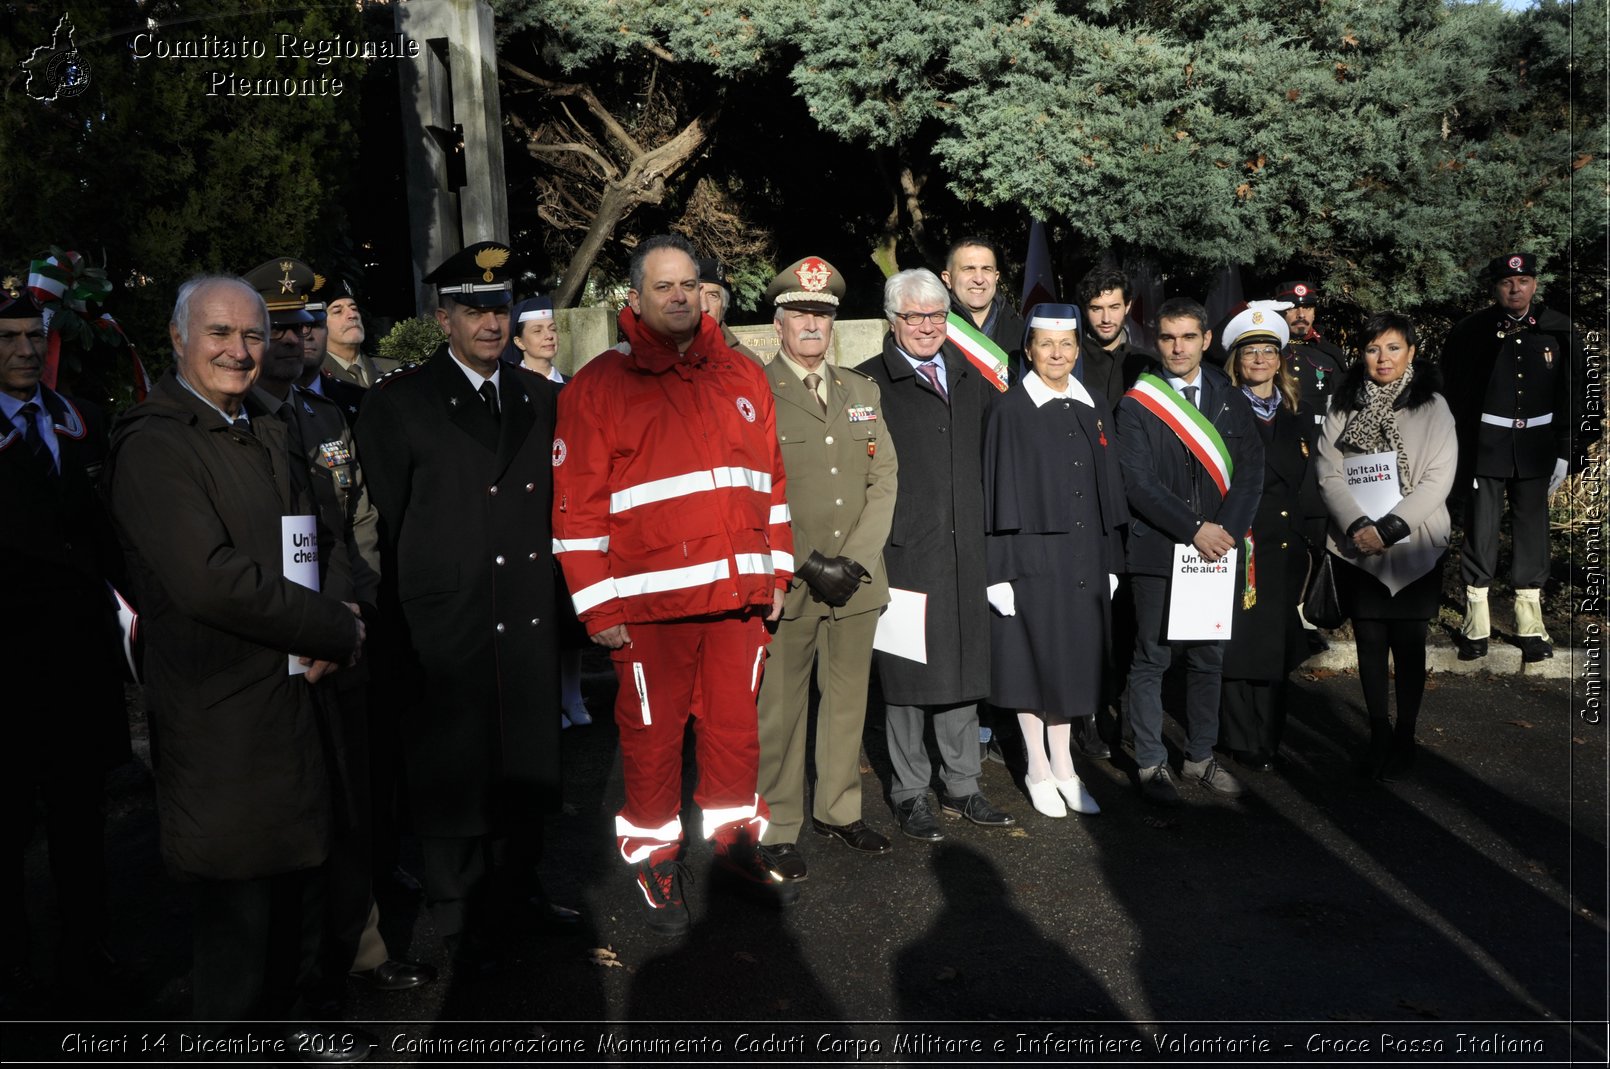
(1459, 915)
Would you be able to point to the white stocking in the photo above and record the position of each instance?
(1032, 726)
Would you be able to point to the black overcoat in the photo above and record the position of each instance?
(1267, 639)
(242, 784)
(936, 543)
(61, 553)
(468, 590)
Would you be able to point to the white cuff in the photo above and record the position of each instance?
(1001, 599)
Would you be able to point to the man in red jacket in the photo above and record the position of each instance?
(672, 526)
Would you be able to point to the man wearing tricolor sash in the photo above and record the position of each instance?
(1193, 473)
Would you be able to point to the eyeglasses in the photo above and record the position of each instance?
(1260, 352)
(912, 319)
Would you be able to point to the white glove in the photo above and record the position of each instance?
(1001, 599)
(1561, 466)
(1112, 585)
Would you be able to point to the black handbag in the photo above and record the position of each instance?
(1321, 606)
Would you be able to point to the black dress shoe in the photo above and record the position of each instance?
(392, 975)
(1535, 648)
(785, 861)
(1470, 649)
(856, 836)
(1256, 760)
(749, 870)
(335, 1044)
(917, 820)
(976, 808)
(1089, 739)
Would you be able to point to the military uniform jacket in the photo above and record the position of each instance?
(378, 367)
(1169, 493)
(1317, 365)
(467, 590)
(1509, 388)
(842, 476)
(242, 784)
(61, 552)
(343, 393)
(936, 541)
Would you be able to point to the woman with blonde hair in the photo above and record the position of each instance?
(1266, 638)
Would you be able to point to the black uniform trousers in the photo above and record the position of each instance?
(1528, 498)
(71, 795)
(475, 885)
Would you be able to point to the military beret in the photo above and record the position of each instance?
(1512, 264)
(711, 271)
(284, 284)
(1258, 321)
(810, 283)
(1050, 317)
(330, 290)
(1301, 294)
(477, 275)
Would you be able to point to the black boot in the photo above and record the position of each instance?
(1379, 751)
(1400, 762)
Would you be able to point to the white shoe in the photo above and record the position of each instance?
(1078, 796)
(1045, 798)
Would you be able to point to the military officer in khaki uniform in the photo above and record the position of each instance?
(841, 489)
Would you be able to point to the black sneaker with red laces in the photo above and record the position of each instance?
(660, 893)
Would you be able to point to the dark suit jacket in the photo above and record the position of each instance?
(63, 638)
(1170, 495)
(468, 589)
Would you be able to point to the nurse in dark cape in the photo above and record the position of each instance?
(1053, 508)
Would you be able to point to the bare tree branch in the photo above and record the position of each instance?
(587, 97)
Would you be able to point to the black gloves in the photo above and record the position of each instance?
(1392, 529)
(833, 579)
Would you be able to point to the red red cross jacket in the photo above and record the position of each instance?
(668, 488)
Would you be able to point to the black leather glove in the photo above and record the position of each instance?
(829, 579)
(1358, 525)
(1392, 529)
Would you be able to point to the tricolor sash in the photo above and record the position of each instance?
(1189, 425)
(982, 353)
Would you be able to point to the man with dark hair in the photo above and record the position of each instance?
(456, 452)
(1107, 360)
(972, 274)
(1510, 369)
(1193, 473)
(1315, 362)
(671, 522)
(212, 514)
(62, 648)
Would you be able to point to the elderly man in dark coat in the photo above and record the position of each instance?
(63, 649)
(935, 406)
(457, 452)
(201, 482)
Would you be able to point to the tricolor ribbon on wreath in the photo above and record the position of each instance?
(64, 286)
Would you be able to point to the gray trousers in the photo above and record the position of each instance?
(956, 733)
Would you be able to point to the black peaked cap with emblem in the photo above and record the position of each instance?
(1302, 293)
(1512, 264)
(810, 284)
(284, 284)
(478, 275)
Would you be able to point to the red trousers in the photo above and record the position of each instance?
(708, 668)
